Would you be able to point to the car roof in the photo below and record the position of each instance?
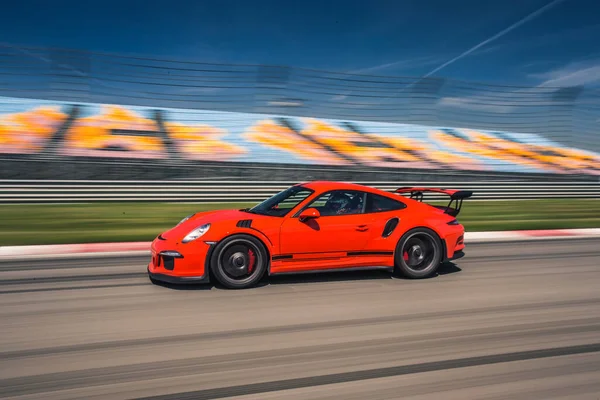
(335, 185)
(324, 186)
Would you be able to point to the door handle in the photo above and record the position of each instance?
(362, 228)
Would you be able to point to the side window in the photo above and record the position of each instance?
(339, 202)
(377, 203)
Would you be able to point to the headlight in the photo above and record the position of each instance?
(196, 233)
(185, 219)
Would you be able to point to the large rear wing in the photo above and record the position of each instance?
(456, 196)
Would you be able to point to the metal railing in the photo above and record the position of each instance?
(64, 191)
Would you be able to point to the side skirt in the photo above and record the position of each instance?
(333, 269)
(327, 262)
(333, 254)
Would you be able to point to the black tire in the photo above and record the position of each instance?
(232, 264)
(418, 253)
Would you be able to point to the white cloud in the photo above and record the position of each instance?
(563, 37)
(408, 63)
(574, 74)
(396, 66)
(475, 103)
(200, 90)
(339, 97)
(498, 35)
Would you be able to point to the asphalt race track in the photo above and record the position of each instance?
(508, 321)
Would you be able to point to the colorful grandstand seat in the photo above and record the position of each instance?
(29, 131)
(353, 144)
(202, 142)
(115, 132)
(141, 132)
(281, 135)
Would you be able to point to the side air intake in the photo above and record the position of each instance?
(390, 226)
(244, 223)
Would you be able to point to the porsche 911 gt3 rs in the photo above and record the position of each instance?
(310, 227)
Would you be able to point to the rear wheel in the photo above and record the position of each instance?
(418, 253)
(239, 261)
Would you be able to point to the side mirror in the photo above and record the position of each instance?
(309, 213)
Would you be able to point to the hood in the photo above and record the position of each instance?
(202, 218)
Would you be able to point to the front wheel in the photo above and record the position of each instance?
(239, 261)
(418, 253)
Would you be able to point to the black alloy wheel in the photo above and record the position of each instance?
(239, 261)
(418, 253)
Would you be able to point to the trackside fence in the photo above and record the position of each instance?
(63, 191)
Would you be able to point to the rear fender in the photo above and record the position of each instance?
(422, 226)
(434, 226)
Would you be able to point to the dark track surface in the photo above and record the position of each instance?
(508, 321)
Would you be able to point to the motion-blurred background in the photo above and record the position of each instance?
(114, 120)
(119, 118)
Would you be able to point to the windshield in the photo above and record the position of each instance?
(283, 202)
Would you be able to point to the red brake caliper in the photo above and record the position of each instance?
(251, 261)
(405, 256)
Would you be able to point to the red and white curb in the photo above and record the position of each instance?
(143, 248)
(75, 250)
(525, 235)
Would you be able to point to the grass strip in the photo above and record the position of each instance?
(116, 222)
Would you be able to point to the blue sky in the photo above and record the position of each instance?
(556, 46)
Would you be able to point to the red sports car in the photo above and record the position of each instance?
(314, 226)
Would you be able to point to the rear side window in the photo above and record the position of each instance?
(377, 203)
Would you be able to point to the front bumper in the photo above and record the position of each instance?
(178, 279)
(175, 262)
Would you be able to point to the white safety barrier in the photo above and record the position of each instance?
(60, 191)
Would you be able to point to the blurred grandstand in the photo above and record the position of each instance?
(68, 114)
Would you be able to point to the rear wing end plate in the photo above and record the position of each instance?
(456, 196)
